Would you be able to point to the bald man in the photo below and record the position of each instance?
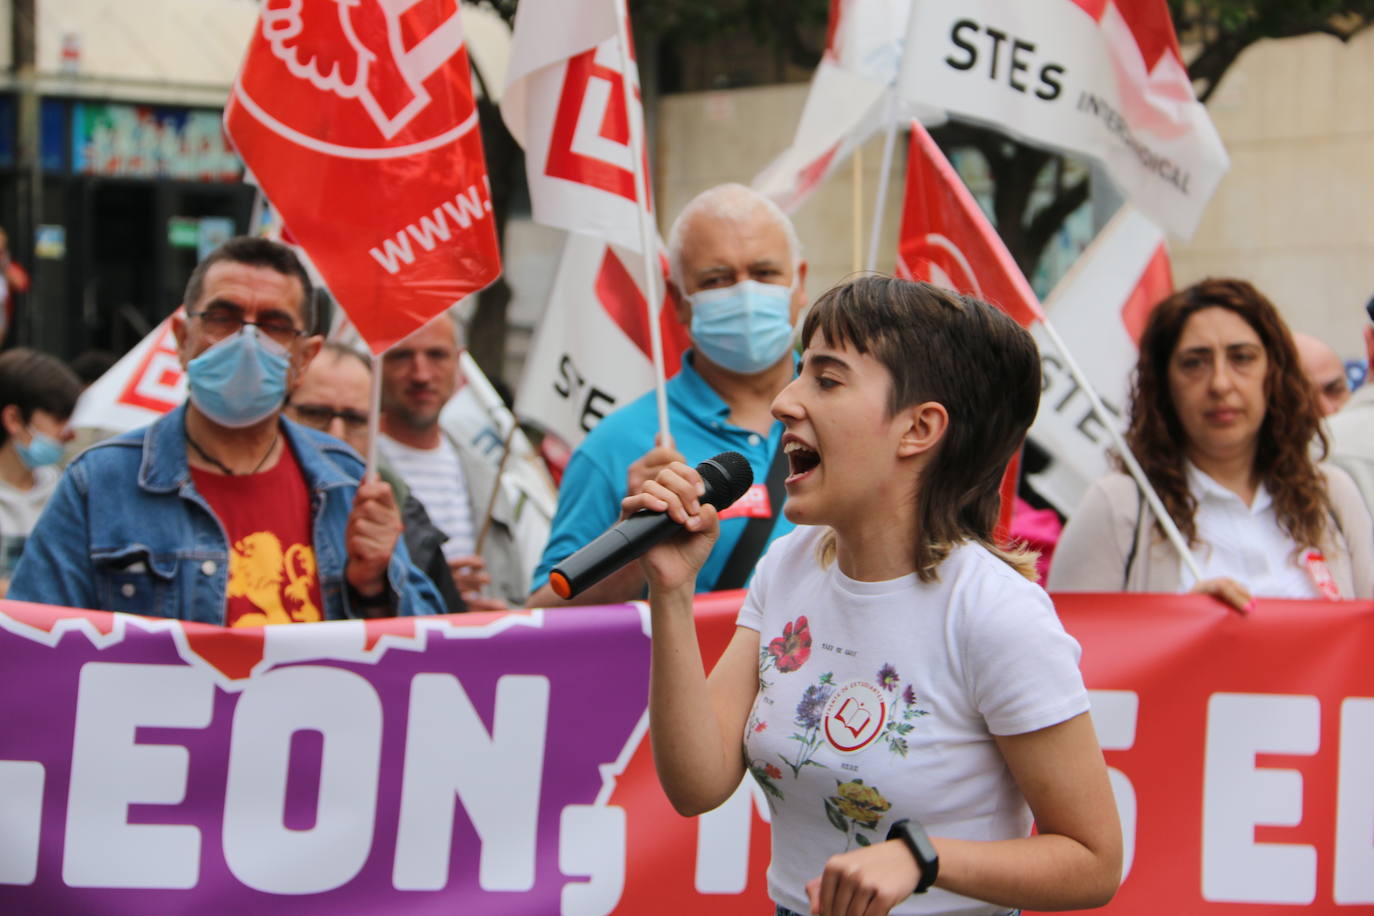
(1324, 370)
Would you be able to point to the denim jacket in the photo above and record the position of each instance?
(128, 531)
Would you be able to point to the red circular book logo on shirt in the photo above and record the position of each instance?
(854, 717)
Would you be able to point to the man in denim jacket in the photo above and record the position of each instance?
(222, 511)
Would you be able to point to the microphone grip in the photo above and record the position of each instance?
(619, 545)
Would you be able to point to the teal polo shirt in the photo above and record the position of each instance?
(594, 483)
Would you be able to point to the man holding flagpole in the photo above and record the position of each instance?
(222, 512)
(739, 286)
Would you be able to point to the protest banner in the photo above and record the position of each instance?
(566, 103)
(1100, 307)
(358, 122)
(1097, 78)
(496, 763)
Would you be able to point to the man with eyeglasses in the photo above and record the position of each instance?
(223, 512)
(333, 396)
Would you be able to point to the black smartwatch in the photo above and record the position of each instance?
(914, 836)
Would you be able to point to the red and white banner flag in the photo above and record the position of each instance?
(1098, 78)
(1099, 309)
(565, 103)
(591, 353)
(946, 239)
(357, 120)
(850, 98)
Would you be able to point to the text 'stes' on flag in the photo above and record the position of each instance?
(359, 123)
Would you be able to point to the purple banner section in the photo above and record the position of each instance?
(440, 765)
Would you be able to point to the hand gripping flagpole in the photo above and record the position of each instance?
(1166, 521)
(648, 237)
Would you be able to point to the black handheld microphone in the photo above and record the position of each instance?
(727, 476)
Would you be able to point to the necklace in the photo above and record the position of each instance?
(225, 468)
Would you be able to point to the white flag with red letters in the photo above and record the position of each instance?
(1099, 309)
(146, 383)
(565, 102)
(1098, 78)
(591, 353)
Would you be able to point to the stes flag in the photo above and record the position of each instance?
(565, 102)
(1099, 309)
(357, 119)
(1098, 78)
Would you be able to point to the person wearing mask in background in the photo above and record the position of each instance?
(333, 396)
(448, 477)
(738, 279)
(1324, 370)
(1352, 430)
(37, 396)
(221, 511)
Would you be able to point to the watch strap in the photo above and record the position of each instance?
(922, 850)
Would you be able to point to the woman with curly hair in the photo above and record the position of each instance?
(1224, 423)
(897, 685)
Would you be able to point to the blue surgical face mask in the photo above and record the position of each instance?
(240, 380)
(746, 327)
(41, 451)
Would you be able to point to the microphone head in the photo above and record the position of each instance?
(727, 476)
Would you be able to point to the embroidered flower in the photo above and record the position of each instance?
(812, 704)
(772, 771)
(909, 696)
(761, 726)
(791, 650)
(862, 804)
(887, 677)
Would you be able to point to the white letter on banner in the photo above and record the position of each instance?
(21, 819)
(1114, 716)
(260, 850)
(110, 771)
(1355, 804)
(497, 777)
(1237, 796)
(723, 840)
(591, 842)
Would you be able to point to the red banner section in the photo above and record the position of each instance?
(496, 763)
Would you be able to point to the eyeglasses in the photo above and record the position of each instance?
(220, 323)
(320, 416)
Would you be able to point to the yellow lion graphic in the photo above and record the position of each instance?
(276, 581)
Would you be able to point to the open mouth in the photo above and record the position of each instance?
(800, 459)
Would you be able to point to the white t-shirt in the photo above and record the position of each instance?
(1245, 543)
(435, 477)
(19, 511)
(879, 701)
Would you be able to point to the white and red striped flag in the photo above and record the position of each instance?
(565, 102)
(1098, 78)
(946, 240)
(357, 120)
(1099, 308)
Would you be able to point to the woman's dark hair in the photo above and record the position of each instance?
(1292, 418)
(36, 381)
(966, 355)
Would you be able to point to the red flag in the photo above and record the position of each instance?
(946, 240)
(358, 121)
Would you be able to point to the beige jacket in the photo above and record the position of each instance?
(1110, 543)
